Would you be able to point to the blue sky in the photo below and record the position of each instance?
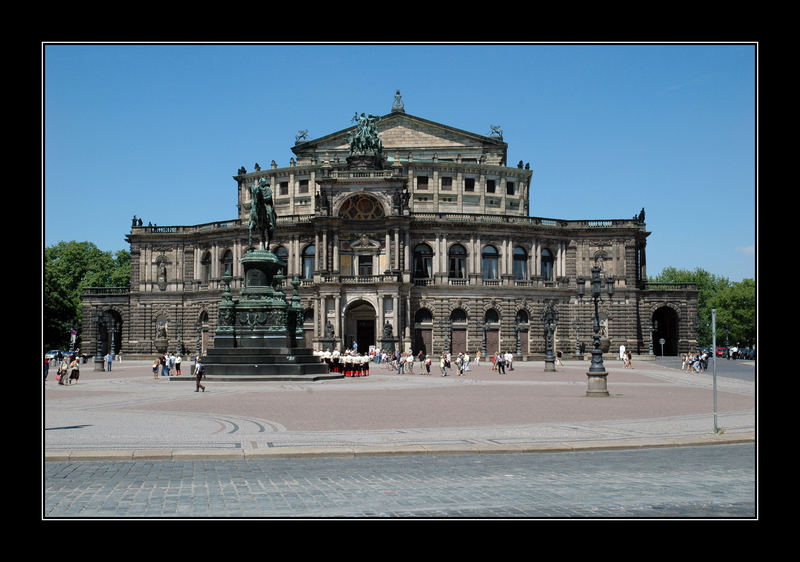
(158, 131)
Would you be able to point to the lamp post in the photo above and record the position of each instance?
(549, 319)
(98, 352)
(597, 384)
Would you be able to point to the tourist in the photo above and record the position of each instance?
(155, 369)
(74, 370)
(500, 362)
(63, 371)
(109, 360)
(198, 373)
(428, 364)
(178, 360)
(509, 360)
(558, 358)
(478, 358)
(466, 361)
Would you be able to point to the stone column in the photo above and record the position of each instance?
(396, 248)
(335, 250)
(337, 327)
(388, 251)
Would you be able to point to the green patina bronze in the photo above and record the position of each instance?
(364, 139)
(262, 213)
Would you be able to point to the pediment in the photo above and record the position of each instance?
(403, 132)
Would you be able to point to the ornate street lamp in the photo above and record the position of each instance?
(597, 384)
(98, 352)
(550, 320)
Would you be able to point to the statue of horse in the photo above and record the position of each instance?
(262, 212)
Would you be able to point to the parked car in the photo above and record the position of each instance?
(747, 353)
(721, 351)
(50, 355)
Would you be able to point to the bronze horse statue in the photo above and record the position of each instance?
(262, 212)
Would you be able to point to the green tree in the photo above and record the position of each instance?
(69, 269)
(734, 302)
(736, 313)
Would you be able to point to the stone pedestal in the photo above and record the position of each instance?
(597, 384)
(257, 334)
(161, 345)
(389, 345)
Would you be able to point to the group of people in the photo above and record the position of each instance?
(350, 363)
(168, 363)
(502, 360)
(694, 362)
(68, 370)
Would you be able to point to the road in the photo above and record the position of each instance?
(121, 445)
(677, 482)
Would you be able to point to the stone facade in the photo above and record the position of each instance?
(431, 248)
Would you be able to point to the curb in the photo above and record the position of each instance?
(376, 450)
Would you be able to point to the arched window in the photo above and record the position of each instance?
(458, 260)
(283, 255)
(309, 254)
(520, 263)
(458, 316)
(361, 207)
(489, 262)
(226, 263)
(423, 261)
(547, 265)
(522, 317)
(423, 316)
(205, 268)
(491, 317)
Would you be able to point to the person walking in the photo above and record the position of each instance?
(74, 370)
(428, 364)
(500, 362)
(46, 368)
(198, 373)
(558, 358)
(63, 370)
(109, 360)
(155, 370)
(178, 365)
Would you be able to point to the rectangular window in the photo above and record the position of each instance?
(422, 182)
(469, 184)
(303, 186)
(365, 265)
(284, 188)
(489, 186)
(509, 188)
(447, 183)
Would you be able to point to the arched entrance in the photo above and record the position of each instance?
(109, 326)
(665, 322)
(423, 331)
(359, 325)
